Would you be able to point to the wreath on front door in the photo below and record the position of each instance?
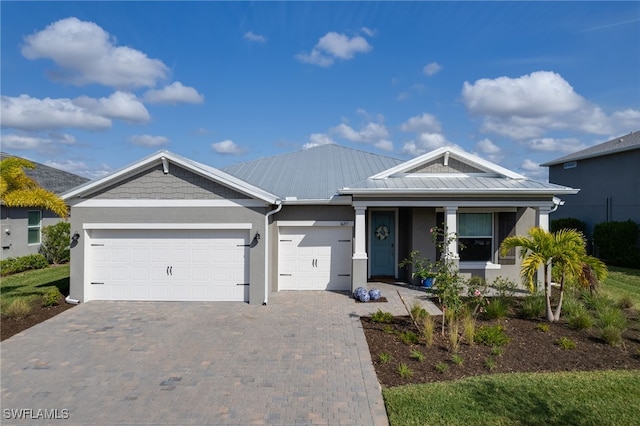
(382, 232)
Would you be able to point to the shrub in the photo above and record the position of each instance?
(418, 313)
(616, 243)
(387, 329)
(382, 317)
(611, 322)
(384, 357)
(457, 359)
(18, 308)
(625, 302)
(441, 367)
(454, 337)
(469, 328)
(497, 308)
(404, 370)
(596, 302)
(492, 335)
(409, 337)
(580, 320)
(55, 242)
(428, 327)
(490, 363)
(51, 297)
(505, 287)
(13, 265)
(497, 350)
(566, 343)
(533, 306)
(417, 355)
(612, 335)
(567, 223)
(571, 305)
(543, 327)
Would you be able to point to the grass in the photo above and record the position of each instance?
(623, 282)
(599, 397)
(33, 284)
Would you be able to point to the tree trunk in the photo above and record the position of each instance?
(547, 295)
(556, 316)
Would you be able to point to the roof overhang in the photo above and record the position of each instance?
(165, 158)
(457, 192)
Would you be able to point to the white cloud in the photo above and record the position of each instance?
(368, 31)
(174, 93)
(49, 144)
(81, 168)
(531, 105)
(566, 145)
(371, 132)
(121, 105)
(432, 68)
(254, 37)
(317, 139)
(148, 140)
(402, 96)
(384, 145)
(485, 146)
(27, 113)
(334, 46)
(227, 147)
(425, 142)
(422, 123)
(88, 54)
(532, 169)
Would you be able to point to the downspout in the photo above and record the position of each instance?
(266, 250)
(68, 299)
(557, 202)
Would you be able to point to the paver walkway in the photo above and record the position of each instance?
(303, 359)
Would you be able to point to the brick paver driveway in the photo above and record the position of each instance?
(302, 359)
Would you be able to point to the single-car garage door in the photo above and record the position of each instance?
(172, 265)
(314, 258)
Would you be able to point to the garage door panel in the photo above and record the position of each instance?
(169, 265)
(314, 258)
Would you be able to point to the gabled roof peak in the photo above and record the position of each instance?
(447, 154)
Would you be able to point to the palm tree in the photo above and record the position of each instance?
(566, 249)
(19, 190)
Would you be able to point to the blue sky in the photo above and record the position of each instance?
(90, 87)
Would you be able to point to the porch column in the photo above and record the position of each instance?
(543, 217)
(451, 224)
(359, 259)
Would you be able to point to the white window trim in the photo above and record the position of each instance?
(38, 227)
(479, 265)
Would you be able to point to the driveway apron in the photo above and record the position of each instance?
(303, 359)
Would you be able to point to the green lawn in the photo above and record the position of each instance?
(585, 398)
(33, 284)
(623, 281)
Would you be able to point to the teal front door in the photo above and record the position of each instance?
(383, 237)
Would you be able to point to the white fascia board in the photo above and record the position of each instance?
(458, 154)
(201, 169)
(469, 192)
(453, 203)
(90, 226)
(342, 200)
(119, 203)
(306, 223)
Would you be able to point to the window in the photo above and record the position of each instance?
(33, 226)
(570, 165)
(475, 234)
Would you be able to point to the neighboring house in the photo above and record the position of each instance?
(608, 176)
(21, 227)
(326, 218)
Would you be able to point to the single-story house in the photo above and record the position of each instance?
(21, 227)
(609, 180)
(325, 218)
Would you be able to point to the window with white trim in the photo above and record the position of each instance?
(34, 226)
(475, 235)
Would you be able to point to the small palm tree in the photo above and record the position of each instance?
(566, 249)
(19, 190)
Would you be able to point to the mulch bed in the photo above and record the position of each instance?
(529, 350)
(11, 326)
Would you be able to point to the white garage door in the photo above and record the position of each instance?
(174, 265)
(314, 258)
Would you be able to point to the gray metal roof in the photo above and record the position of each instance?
(49, 178)
(312, 174)
(627, 142)
(456, 184)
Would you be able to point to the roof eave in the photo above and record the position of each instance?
(448, 191)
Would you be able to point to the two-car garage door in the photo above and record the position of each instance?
(164, 264)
